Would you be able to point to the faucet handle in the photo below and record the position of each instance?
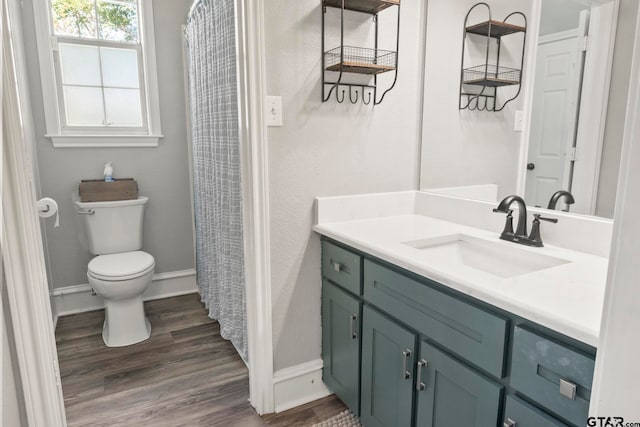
(508, 225)
(539, 217)
(534, 238)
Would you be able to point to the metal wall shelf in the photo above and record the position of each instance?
(495, 29)
(360, 60)
(364, 6)
(491, 76)
(479, 84)
(344, 59)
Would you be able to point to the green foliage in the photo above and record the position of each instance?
(118, 17)
(79, 13)
(118, 21)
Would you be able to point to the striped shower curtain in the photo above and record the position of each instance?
(210, 35)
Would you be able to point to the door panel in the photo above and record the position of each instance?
(553, 118)
(341, 344)
(388, 353)
(453, 395)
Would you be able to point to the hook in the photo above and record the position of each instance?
(338, 98)
(473, 103)
(351, 98)
(369, 98)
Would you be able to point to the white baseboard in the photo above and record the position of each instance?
(298, 385)
(78, 298)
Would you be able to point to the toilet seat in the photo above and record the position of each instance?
(121, 266)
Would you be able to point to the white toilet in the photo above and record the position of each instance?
(120, 272)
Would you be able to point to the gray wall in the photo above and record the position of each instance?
(328, 149)
(616, 111)
(162, 173)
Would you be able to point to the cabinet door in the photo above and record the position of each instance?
(341, 344)
(388, 352)
(451, 394)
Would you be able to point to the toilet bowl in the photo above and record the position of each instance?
(120, 272)
(121, 279)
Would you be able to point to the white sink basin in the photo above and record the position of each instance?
(504, 260)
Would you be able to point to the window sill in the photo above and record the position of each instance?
(104, 141)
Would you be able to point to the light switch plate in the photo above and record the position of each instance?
(518, 121)
(274, 111)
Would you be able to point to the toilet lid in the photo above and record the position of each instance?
(121, 264)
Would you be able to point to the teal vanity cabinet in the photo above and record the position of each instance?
(432, 357)
(451, 394)
(388, 354)
(552, 374)
(341, 325)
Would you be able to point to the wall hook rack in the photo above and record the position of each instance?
(344, 60)
(479, 84)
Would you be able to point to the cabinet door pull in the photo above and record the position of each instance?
(419, 384)
(509, 423)
(568, 389)
(352, 324)
(337, 266)
(405, 358)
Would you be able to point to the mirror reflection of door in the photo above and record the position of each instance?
(556, 101)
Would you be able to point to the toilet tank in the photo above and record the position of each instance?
(113, 227)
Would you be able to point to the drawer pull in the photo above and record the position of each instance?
(568, 389)
(337, 266)
(420, 386)
(405, 358)
(509, 423)
(352, 322)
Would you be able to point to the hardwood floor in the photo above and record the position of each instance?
(309, 414)
(184, 375)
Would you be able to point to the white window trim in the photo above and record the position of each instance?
(53, 119)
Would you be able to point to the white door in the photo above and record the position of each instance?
(554, 116)
(22, 251)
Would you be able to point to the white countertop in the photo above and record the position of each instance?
(567, 298)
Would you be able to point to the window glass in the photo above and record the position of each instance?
(98, 63)
(122, 107)
(76, 18)
(115, 20)
(120, 67)
(84, 106)
(118, 21)
(80, 64)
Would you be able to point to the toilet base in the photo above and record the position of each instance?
(125, 322)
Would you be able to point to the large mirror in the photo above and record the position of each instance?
(564, 132)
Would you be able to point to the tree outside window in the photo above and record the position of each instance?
(114, 20)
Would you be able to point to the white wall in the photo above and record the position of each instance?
(617, 370)
(162, 173)
(462, 147)
(13, 412)
(328, 149)
(612, 145)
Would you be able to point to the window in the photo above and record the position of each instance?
(99, 82)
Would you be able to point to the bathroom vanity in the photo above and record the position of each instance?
(410, 338)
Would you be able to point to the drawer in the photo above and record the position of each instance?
(341, 267)
(553, 375)
(520, 414)
(472, 333)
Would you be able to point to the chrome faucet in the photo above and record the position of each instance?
(520, 235)
(569, 200)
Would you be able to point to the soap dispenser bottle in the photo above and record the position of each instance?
(108, 172)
